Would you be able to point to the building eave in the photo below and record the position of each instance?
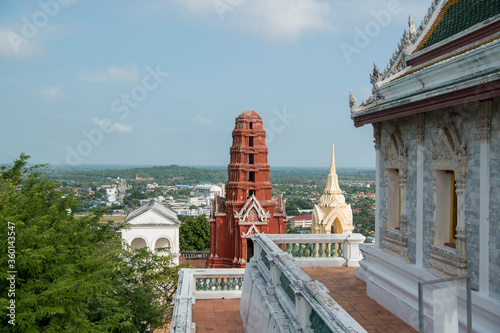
(469, 68)
(480, 91)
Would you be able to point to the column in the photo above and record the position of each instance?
(484, 195)
(377, 136)
(420, 141)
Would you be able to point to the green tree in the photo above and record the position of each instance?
(194, 234)
(72, 274)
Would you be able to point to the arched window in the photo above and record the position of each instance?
(138, 243)
(337, 227)
(162, 243)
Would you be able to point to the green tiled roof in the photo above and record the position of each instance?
(463, 15)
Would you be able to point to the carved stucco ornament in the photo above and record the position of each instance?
(406, 46)
(250, 232)
(377, 135)
(252, 213)
(395, 156)
(484, 121)
(353, 102)
(450, 153)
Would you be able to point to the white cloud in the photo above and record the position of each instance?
(277, 19)
(14, 46)
(203, 120)
(113, 74)
(50, 94)
(382, 11)
(113, 127)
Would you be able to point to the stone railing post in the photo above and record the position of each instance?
(352, 253)
(275, 273)
(302, 309)
(183, 303)
(257, 249)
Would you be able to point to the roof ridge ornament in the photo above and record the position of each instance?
(426, 19)
(413, 31)
(405, 46)
(376, 75)
(353, 102)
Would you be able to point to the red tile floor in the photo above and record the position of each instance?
(217, 315)
(350, 292)
(345, 288)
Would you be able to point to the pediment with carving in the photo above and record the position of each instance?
(449, 152)
(395, 154)
(252, 213)
(253, 230)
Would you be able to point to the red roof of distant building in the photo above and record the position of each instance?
(301, 217)
(143, 179)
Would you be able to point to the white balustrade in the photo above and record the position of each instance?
(274, 290)
(275, 283)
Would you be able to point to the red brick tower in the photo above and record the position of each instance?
(248, 208)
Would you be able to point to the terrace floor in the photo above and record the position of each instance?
(222, 315)
(350, 293)
(217, 315)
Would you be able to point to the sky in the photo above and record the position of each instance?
(160, 82)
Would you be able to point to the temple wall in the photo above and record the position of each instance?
(494, 209)
(407, 129)
(465, 120)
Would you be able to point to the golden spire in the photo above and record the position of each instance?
(332, 184)
(332, 164)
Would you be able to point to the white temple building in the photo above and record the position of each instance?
(332, 215)
(153, 225)
(435, 115)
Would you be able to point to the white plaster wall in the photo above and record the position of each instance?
(151, 226)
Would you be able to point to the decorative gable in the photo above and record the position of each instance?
(251, 231)
(252, 213)
(395, 154)
(449, 152)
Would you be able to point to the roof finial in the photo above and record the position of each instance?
(353, 102)
(411, 25)
(332, 164)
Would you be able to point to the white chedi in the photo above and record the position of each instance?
(332, 215)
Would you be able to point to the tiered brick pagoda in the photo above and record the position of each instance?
(248, 208)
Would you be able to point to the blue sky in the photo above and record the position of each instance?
(160, 82)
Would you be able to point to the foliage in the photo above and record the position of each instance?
(171, 175)
(73, 274)
(194, 235)
(175, 174)
(293, 204)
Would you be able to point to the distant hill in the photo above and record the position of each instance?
(174, 173)
(191, 175)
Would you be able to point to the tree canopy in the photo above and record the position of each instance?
(194, 234)
(63, 273)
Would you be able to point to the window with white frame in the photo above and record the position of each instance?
(393, 209)
(446, 208)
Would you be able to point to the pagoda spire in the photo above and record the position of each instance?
(332, 185)
(332, 163)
